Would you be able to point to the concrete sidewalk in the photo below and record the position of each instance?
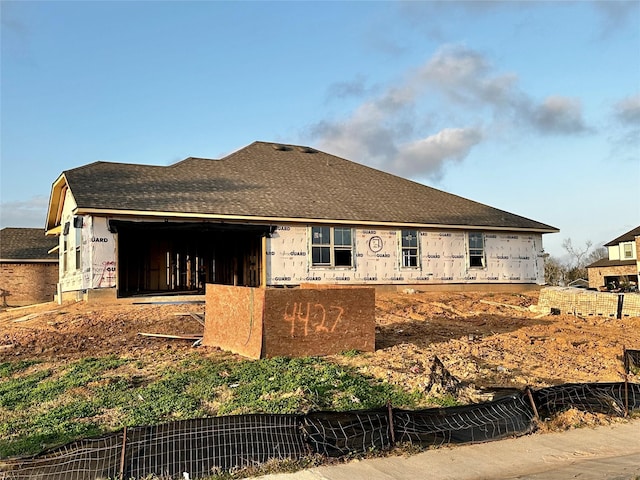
(608, 452)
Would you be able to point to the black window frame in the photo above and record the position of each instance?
(477, 257)
(409, 248)
(330, 248)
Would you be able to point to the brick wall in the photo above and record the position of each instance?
(638, 256)
(27, 283)
(597, 275)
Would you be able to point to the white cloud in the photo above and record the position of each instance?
(627, 110)
(27, 213)
(353, 88)
(558, 115)
(616, 14)
(626, 137)
(426, 156)
(453, 89)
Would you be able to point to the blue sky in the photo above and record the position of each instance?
(531, 107)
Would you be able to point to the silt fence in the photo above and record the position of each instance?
(206, 446)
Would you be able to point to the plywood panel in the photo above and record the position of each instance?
(308, 322)
(260, 323)
(233, 319)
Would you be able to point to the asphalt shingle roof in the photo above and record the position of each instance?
(26, 244)
(272, 180)
(605, 262)
(626, 237)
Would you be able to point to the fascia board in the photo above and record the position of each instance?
(55, 202)
(29, 260)
(271, 220)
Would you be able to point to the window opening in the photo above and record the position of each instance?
(321, 246)
(342, 246)
(77, 225)
(476, 250)
(409, 244)
(331, 246)
(65, 246)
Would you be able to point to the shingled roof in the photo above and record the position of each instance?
(26, 245)
(625, 237)
(274, 181)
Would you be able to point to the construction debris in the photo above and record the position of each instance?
(441, 381)
(182, 336)
(498, 304)
(198, 317)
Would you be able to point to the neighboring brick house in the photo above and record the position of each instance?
(622, 266)
(273, 215)
(28, 272)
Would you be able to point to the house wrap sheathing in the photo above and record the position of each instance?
(442, 258)
(274, 215)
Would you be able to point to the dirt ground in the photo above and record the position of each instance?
(484, 339)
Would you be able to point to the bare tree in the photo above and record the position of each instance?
(554, 271)
(577, 256)
(597, 254)
(557, 272)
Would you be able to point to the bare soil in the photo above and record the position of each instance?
(485, 340)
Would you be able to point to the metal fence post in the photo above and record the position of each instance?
(122, 454)
(533, 404)
(391, 427)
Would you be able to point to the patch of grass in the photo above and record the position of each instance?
(95, 395)
(446, 400)
(16, 392)
(9, 368)
(351, 353)
(283, 385)
(41, 386)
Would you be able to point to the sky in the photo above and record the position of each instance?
(530, 107)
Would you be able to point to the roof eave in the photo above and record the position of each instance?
(56, 200)
(263, 219)
(29, 260)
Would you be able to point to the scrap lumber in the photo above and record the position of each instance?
(198, 317)
(497, 304)
(182, 336)
(26, 317)
(451, 309)
(31, 316)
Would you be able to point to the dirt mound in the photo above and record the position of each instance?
(484, 340)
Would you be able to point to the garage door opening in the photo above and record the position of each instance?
(180, 258)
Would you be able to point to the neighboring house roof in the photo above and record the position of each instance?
(605, 262)
(26, 245)
(627, 237)
(268, 181)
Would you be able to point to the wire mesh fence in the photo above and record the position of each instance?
(608, 398)
(576, 301)
(202, 447)
(631, 359)
(508, 416)
(336, 434)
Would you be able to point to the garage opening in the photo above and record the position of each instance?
(180, 258)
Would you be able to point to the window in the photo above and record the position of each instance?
(65, 247)
(476, 250)
(77, 225)
(628, 250)
(331, 246)
(409, 244)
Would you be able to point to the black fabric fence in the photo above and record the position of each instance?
(336, 434)
(631, 359)
(508, 416)
(609, 398)
(202, 447)
(199, 447)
